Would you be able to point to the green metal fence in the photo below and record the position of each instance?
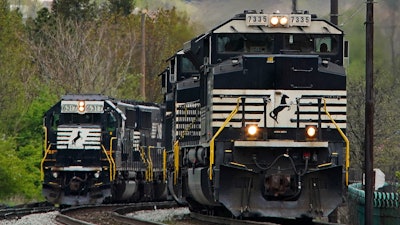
(386, 206)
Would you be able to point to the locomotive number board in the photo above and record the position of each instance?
(89, 107)
(299, 20)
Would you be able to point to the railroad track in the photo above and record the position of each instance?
(25, 209)
(117, 214)
(259, 221)
(110, 214)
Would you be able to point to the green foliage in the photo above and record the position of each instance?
(15, 70)
(386, 95)
(123, 7)
(398, 179)
(78, 10)
(21, 155)
(129, 91)
(16, 176)
(162, 41)
(31, 121)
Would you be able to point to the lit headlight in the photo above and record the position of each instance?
(274, 20)
(252, 130)
(279, 21)
(283, 21)
(81, 106)
(311, 132)
(55, 174)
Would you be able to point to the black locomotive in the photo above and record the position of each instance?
(256, 117)
(100, 149)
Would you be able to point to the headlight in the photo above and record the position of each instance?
(274, 20)
(252, 130)
(97, 174)
(279, 21)
(311, 132)
(81, 106)
(283, 21)
(55, 174)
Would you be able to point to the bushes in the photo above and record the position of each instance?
(21, 153)
(14, 176)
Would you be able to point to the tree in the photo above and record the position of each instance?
(86, 57)
(123, 7)
(17, 80)
(386, 95)
(103, 56)
(77, 10)
(166, 31)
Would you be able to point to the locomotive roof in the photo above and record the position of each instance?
(237, 25)
(93, 97)
(99, 97)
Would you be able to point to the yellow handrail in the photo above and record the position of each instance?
(234, 111)
(176, 161)
(46, 151)
(164, 165)
(111, 157)
(145, 161)
(347, 163)
(150, 168)
(109, 161)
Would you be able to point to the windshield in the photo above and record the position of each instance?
(72, 118)
(249, 43)
(305, 43)
(187, 66)
(266, 43)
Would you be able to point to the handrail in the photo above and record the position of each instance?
(150, 163)
(164, 165)
(45, 154)
(112, 159)
(347, 158)
(176, 161)
(109, 161)
(227, 120)
(46, 151)
(145, 161)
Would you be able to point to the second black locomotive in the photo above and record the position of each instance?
(98, 149)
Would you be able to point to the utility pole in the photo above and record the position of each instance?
(143, 49)
(334, 12)
(369, 114)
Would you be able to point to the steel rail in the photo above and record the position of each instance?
(257, 220)
(117, 213)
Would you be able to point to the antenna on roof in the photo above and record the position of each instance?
(294, 6)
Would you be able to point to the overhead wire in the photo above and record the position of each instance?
(358, 9)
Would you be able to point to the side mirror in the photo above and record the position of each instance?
(346, 55)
